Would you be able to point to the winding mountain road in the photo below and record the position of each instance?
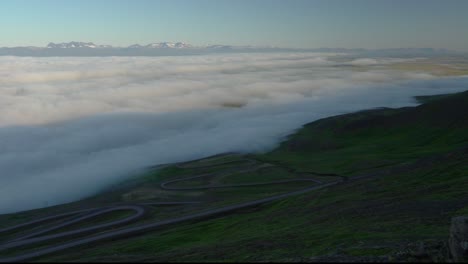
(138, 212)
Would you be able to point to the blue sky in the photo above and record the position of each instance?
(286, 23)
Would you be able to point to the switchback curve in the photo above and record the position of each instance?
(138, 212)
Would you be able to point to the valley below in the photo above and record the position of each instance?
(375, 185)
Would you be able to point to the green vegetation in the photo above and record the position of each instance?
(368, 140)
(414, 168)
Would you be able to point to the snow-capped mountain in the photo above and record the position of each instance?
(156, 45)
(75, 44)
(169, 45)
(77, 48)
(160, 45)
(81, 49)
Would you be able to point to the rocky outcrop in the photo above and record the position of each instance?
(458, 241)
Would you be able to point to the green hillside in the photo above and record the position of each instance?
(404, 171)
(366, 140)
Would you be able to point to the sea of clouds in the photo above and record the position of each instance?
(71, 126)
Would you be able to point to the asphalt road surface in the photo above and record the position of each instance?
(87, 235)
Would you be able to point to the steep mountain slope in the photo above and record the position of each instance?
(351, 143)
(407, 176)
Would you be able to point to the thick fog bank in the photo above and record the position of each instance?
(70, 127)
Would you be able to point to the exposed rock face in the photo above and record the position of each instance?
(458, 241)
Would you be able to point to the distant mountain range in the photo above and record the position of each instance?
(83, 49)
(158, 45)
(75, 44)
(76, 48)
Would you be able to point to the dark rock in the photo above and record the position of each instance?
(421, 251)
(458, 241)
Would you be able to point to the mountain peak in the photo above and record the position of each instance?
(75, 44)
(170, 45)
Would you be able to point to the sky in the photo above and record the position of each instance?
(284, 23)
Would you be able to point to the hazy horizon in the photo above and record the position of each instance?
(265, 46)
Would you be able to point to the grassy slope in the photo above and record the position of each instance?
(371, 217)
(352, 143)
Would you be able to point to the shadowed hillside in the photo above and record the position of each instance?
(405, 174)
(351, 143)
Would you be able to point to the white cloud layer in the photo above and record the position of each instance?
(69, 127)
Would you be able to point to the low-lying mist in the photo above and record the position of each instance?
(70, 127)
